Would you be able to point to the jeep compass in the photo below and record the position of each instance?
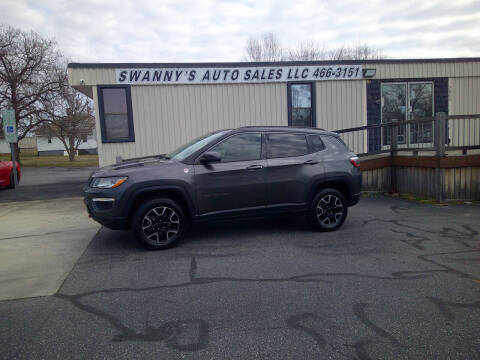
(245, 172)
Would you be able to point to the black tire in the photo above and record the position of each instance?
(328, 210)
(12, 183)
(155, 223)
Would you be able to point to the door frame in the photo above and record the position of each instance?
(313, 102)
(408, 141)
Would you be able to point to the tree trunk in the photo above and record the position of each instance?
(71, 149)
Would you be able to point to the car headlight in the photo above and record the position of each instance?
(108, 182)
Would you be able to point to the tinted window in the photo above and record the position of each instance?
(316, 144)
(241, 147)
(286, 145)
(336, 144)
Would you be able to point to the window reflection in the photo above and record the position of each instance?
(421, 106)
(301, 95)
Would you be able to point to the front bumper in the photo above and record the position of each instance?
(103, 208)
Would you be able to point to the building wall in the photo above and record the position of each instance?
(464, 99)
(426, 69)
(4, 147)
(341, 105)
(166, 117)
(56, 146)
(27, 144)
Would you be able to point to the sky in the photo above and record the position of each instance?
(215, 30)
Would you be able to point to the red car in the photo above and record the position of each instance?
(6, 173)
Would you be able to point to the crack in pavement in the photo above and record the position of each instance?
(444, 305)
(159, 332)
(359, 311)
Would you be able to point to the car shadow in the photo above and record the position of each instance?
(225, 233)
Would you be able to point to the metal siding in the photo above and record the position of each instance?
(340, 105)
(422, 70)
(464, 100)
(167, 116)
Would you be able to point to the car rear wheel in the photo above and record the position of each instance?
(159, 223)
(328, 210)
(12, 183)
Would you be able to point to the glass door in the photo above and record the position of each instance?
(407, 101)
(394, 106)
(420, 105)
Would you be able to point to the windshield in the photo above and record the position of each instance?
(185, 150)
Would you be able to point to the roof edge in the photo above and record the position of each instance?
(75, 65)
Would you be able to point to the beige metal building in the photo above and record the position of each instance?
(145, 109)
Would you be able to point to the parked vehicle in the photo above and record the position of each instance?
(6, 173)
(250, 171)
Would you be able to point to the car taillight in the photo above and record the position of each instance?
(355, 161)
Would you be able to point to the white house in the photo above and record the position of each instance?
(51, 145)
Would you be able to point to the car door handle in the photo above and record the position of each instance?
(311, 162)
(254, 167)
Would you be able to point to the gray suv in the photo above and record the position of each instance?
(245, 172)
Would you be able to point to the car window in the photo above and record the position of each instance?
(286, 145)
(336, 144)
(188, 149)
(315, 143)
(242, 147)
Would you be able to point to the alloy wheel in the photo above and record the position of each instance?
(160, 224)
(329, 210)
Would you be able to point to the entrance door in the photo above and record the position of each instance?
(236, 183)
(394, 107)
(420, 105)
(407, 101)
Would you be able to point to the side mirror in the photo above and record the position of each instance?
(210, 157)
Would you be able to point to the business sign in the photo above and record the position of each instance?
(9, 126)
(234, 75)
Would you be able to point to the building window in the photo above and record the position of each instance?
(84, 138)
(408, 101)
(115, 109)
(301, 104)
(49, 139)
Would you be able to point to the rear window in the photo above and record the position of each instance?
(286, 145)
(336, 144)
(315, 143)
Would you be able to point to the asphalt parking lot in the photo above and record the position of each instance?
(399, 280)
(48, 183)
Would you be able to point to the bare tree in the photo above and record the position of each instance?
(268, 47)
(69, 117)
(307, 52)
(265, 48)
(359, 51)
(28, 75)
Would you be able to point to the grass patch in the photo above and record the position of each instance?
(32, 160)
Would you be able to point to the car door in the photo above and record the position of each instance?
(291, 169)
(238, 182)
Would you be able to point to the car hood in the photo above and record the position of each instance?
(133, 166)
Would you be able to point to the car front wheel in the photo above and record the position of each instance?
(159, 223)
(328, 210)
